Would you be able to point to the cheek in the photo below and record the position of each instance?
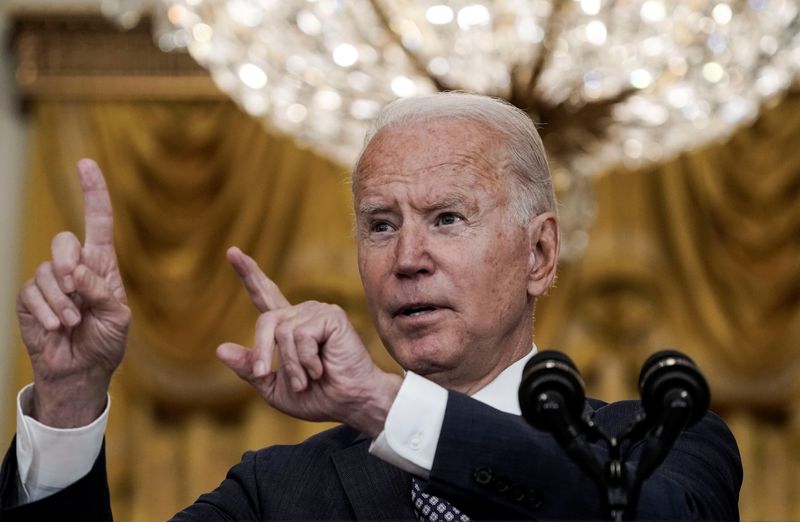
(503, 272)
(371, 267)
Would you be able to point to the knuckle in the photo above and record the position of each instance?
(306, 307)
(125, 314)
(44, 270)
(62, 238)
(61, 301)
(302, 334)
(284, 331)
(26, 292)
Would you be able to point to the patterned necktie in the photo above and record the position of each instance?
(432, 508)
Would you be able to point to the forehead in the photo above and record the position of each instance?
(433, 153)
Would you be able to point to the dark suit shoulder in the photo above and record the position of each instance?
(325, 442)
(298, 482)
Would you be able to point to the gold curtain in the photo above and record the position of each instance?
(700, 254)
(187, 180)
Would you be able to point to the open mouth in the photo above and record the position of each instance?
(414, 310)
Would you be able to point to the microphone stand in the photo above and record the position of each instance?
(620, 484)
(662, 437)
(674, 394)
(612, 479)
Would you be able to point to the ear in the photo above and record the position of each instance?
(545, 242)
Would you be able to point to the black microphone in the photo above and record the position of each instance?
(551, 397)
(675, 395)
(670, 380)
(550, 375)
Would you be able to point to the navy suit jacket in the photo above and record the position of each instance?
(490, 464)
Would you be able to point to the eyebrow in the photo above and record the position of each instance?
(372, 208)
(445, 202)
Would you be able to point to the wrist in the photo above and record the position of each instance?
(69, 402)
(378, 395)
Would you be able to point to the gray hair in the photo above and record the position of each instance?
(532, 192)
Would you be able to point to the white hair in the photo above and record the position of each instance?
(532, 189)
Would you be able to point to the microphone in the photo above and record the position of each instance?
(669, 381)
(551, 397)
(675, 395)
(550, 376)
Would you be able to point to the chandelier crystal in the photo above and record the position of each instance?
(609, 81)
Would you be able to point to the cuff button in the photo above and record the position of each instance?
(482, 475)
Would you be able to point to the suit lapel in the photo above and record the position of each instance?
(376, 490)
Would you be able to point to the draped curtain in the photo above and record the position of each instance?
(700, 254)
(188, 180)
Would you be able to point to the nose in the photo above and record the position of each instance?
(412, 255)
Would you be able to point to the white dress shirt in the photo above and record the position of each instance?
(50, 459)
(411, 433)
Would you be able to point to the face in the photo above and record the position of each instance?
(446, 267)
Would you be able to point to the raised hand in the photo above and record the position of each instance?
(325, 372)
(74, 317)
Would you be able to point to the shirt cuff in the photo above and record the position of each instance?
(50, 459)
(411, 432)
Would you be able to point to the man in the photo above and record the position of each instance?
(457, 236)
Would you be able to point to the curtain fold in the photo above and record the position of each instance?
(188, 180)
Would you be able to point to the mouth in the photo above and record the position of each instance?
(416, 309)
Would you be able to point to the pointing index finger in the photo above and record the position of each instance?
(99, 220)
(264, 293)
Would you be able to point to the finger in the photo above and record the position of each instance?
(31, 301)
(308, 334)
(99, 221)
(308, 350)
(56, 299)
(96, 293)
(237, 358)
(264, 293)
(264, 345)
(284, 336)
(66, 250)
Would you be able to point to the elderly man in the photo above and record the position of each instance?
(457, 236)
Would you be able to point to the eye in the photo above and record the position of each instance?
(380, 226)
(448, 218)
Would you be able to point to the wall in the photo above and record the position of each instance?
(12, 167)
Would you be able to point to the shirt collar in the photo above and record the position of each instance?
(501, 393)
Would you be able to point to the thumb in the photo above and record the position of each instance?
(239, 359)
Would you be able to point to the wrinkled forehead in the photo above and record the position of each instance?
(430, 148)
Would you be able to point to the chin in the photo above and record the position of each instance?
(423, 358)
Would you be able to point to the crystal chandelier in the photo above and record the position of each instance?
(609, 81)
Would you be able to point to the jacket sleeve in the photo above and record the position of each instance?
(85, 500)
(699, 480)
(494, 465)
